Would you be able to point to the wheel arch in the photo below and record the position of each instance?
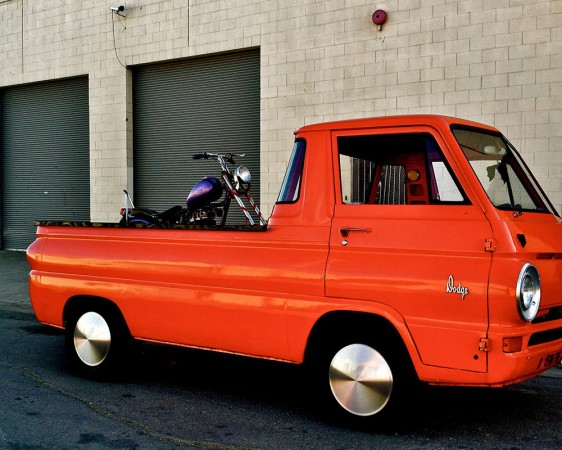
(335, 324)
(90, 302)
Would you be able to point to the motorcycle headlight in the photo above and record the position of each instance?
(243, 174)
(528, 292)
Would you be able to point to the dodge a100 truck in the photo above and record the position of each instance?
(401, 250)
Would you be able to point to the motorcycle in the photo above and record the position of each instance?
(207, 201)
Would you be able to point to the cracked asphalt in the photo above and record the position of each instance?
(174, 398)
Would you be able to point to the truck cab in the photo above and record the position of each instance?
(440, 221)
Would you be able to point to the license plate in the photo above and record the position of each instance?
(548, 361)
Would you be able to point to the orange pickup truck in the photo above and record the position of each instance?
(401, 249)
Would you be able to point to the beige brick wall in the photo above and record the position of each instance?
(497, 62)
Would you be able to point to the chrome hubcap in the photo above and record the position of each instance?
(92, 338)
(360, 379)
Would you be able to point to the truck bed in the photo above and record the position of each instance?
(85, 224)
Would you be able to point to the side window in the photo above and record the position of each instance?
(290, 189)
(398, 169)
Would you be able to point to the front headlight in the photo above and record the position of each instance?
(528, 292)
(243, 174)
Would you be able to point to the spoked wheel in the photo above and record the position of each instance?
(360, 379)
(95, 341)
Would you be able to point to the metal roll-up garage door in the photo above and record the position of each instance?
(44, 149)
(205, 104)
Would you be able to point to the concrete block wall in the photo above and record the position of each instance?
(497, 62)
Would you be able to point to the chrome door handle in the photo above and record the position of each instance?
(344, 232)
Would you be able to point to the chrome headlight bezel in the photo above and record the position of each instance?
(243, 174)
(528, 292)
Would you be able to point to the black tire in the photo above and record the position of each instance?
(96, 341)
(361, 381)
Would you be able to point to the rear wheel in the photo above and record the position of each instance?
(95, 341)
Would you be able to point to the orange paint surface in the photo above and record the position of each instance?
(442, 274)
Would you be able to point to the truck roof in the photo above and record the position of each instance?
(402, 120)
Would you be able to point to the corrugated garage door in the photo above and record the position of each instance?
(44, 147)
(202, 104)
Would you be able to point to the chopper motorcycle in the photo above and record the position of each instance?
(207, 201)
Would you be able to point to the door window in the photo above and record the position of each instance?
(398, 169)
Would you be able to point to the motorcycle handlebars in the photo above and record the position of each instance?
(229, 157)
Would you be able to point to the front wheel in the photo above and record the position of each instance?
(360, 380)
(95, 341)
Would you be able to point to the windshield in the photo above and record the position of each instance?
(501, 171)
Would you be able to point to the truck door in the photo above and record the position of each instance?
(405, 234)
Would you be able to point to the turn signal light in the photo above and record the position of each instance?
(512, 344)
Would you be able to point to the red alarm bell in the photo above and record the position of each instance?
(379, 18)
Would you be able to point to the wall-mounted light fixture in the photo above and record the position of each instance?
(117, 9)
(379, 18)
